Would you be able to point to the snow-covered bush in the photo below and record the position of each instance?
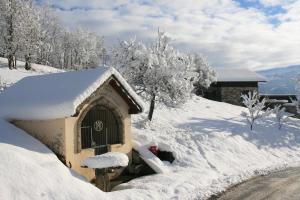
(3, 85)
(158, 72)
(296, 102)
(204, 73)
(255, 108)
(281, 115)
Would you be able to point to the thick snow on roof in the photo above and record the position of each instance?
(238, 75)
(55, 95)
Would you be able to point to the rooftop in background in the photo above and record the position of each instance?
(238, 75)
(58, 95)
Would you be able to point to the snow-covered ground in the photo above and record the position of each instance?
(214, 148)
(211, 141)
(29, 170)
(8, 76)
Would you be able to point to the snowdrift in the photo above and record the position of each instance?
(29, 170)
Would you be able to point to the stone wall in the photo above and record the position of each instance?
(232, 95)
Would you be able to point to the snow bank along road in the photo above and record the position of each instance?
(276, 186)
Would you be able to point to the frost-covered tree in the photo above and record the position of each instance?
(81, 49)
(167, 79)
(34, 34)
(11, 22)
(255, 108)
(30, 35)
(50, 47)
(204, 73)
(158, 72)
(296, 103)
(131, 59)
(281, 115)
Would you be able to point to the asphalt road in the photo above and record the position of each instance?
(283, 185)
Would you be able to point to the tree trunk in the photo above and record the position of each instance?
(151, 110)
(10, 59)
(15, 62)
(27, 62)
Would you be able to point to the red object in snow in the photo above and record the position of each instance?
(153, 149)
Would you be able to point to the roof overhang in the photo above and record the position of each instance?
(134, 106)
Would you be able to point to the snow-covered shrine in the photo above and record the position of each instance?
(77, 114)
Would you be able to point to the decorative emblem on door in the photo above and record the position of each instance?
(98, 125)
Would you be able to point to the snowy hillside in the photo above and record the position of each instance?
(280, 80)
(214, 148)
(212, 143)
(8, 76)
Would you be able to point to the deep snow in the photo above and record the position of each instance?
(56, 95)
(30, 171)
(214, 148)
(152, 160)
(212, 143)
(109, 159)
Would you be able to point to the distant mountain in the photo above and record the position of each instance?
(280, 80)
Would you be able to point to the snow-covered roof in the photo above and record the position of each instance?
(58, 95)
(238, 75)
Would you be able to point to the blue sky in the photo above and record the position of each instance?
(269, 10)
(229, 33)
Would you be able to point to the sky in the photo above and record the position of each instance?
(256, 34)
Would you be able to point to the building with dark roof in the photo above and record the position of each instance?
(232, 83)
